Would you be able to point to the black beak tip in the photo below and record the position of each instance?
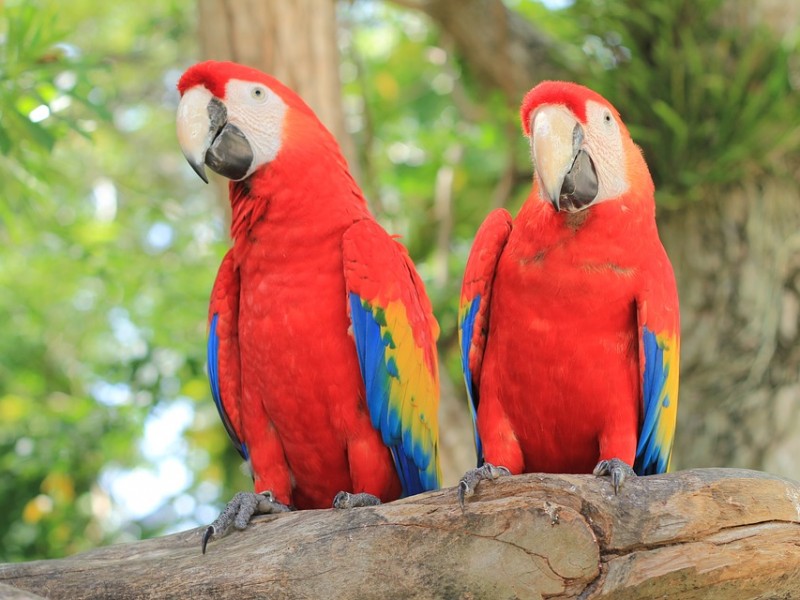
(200, 170)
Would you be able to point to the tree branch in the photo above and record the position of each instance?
(710, 533)
(506, 51)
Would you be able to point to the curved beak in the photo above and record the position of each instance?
(195, 133)
(207, 138)
(566, 171)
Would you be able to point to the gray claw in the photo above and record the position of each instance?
(240, 510)
(348, 500)
(617, 469)
(469, 482)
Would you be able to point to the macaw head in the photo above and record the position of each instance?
(582, 151)
(233, 118)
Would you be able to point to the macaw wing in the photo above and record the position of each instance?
(395, 335)
(223, 351)
(473, 311)
(659, 363)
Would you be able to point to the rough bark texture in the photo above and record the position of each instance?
(736, 259)
(702, 534)
(293, 40)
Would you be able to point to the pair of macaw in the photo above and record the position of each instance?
(322, 342)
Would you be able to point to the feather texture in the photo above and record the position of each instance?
(322, 342)
(569, 319)
(473, 313)
(392, 327)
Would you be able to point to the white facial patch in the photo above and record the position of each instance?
(258, 112)
(604, 141)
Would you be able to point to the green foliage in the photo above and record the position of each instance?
(434, 143)
(108, 251)
(710, 103)
(109, 242)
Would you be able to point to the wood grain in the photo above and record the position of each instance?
(707, 533)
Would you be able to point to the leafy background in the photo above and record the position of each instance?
(109, 243)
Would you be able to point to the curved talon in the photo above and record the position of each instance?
(345, 500)
(240, 510)
(207, 536)
(469, 482)
(617, 469)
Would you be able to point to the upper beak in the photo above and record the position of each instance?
(195, 133)
(207, 138)
(565, 169)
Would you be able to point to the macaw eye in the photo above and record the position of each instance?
(607, 117)
(258, 93)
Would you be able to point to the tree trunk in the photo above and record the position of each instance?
(736, 259)
(499, 44)
(296, 41)
(704, 534)
(293, 40)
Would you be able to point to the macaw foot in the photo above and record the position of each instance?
(469, 482)
(617, 469)
(240, 510)
(348, 500)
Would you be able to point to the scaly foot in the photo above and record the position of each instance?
(469, 482)
(239, 511)
(347, 500)
(617, 469)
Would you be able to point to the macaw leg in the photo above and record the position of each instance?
(469, 482)
(240, 510)
(371, 468)
(348, 500)
(615, 468)
(500, 447)
(617, 451)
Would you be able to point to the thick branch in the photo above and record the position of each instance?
(708, 533)
(505, 50)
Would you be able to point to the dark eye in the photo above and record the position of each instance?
(607, 117)
(258, 93)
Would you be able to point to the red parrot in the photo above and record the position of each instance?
(322, 342)
(568, 320)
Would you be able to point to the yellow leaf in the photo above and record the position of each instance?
(37, 508)
(60, 486)
(196, 389)
(13, 408)
(387, 86)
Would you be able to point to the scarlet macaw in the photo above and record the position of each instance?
(569, 322)
(322, 342)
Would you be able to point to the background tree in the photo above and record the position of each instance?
(711, 93)
(110, 242)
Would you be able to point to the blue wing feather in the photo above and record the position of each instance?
(409, 458)
(467, 330)
(212, 354)
(651, 455)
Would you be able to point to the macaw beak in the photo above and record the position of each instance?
(566, 171)
(207, 138)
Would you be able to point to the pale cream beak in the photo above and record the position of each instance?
(556, 140)
(195, 131)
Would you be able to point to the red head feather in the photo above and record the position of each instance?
(215, 75)
(571, 95)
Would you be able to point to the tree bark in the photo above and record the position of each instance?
(499, 44)
(697, 534)
(736, 258)
(293, 40)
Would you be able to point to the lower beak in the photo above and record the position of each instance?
(207, 138)
(566, 171)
